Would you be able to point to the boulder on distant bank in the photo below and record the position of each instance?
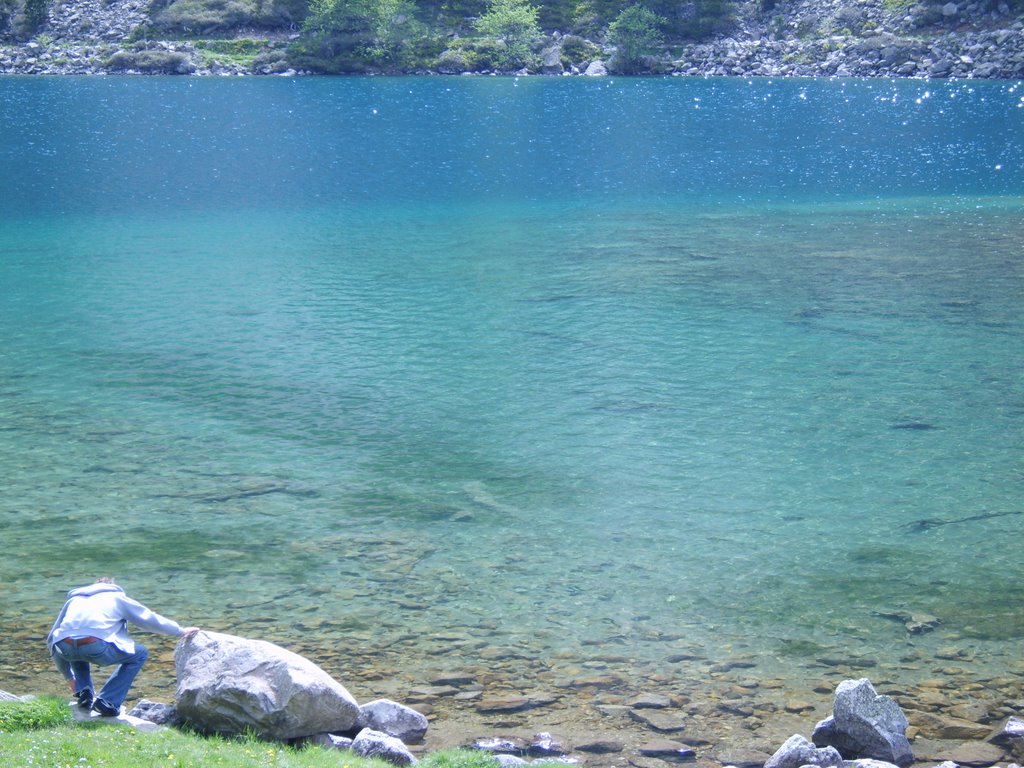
(371, 743)
(551, 61)
(394, 719)
(865, 724)
(596, 69)
(797, 751)
(229, 684)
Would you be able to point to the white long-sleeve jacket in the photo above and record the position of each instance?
(104, 610)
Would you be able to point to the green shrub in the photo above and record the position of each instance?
(634, 33)
(359, 35)
(213, 16)
(34, 15)
(453, 62)
(514, 23)
(44, 712)
(152, 62)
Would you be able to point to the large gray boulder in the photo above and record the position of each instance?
(798, 752)
(229, 684)
(865, 724)
(394, 719)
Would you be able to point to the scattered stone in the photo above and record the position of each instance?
(864, 724)
(660, 720)
(509, 761)
(651, 701)
(330, 741)
(795, 706)
(933, 725)
(432, 692)
(498, 746)
(229, 684)
(85, 716)
(797, 751)
(742, 758)
(1010, 736)
(371, 743)
(509, 704)
(394, 719)
(664, 749)
(546, 745)
(5, 696)
(155, 712)
(601, 747)
(456, 680)
(973, 753)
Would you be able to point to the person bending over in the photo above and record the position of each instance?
(92, 628)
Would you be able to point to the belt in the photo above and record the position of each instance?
(80, 640)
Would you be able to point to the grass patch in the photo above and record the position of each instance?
(239, 53)
(44, 712)
(112, 746)
(124, 747)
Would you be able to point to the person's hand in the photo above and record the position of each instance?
(188, 632)
(71, 685)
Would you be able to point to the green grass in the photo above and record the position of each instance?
(39, 733)
(44, 712)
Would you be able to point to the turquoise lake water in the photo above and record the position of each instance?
(535, 377)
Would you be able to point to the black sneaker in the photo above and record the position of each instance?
(84, 699)
(105, 708)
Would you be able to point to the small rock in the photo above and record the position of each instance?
(370, 743)
(509, 761)
(651, 701)
(499, 746)
(664, 749)
(660, 720)
(974, 754)
(798, 751)
(601, 747)
(546, 745)
(155, 712)
(394, 719)
(330, 741)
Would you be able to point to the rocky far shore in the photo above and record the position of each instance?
(796, 38)
(233, 685)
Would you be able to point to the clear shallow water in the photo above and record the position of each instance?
(535, 378)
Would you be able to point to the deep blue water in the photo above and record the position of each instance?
(548, 363)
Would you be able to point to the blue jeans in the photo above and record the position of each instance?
(102, 653)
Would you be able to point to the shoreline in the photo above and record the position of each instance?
(881, 56)
(729, 713)
(619, 741)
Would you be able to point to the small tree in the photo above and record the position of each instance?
(635, 32)
(514, 23)
(36, 13)
(345, 35)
